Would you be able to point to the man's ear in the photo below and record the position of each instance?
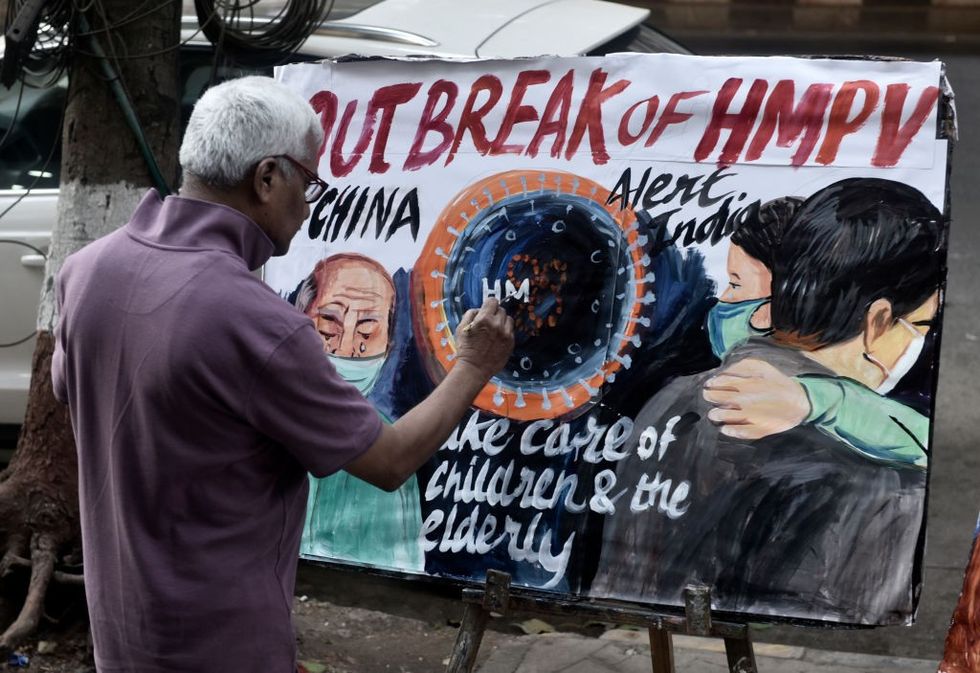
(264, 178)
(877, 321)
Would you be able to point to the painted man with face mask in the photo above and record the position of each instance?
(793, 522)
(351, 300)
(768, 399)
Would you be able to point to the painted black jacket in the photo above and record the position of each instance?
(796, 525)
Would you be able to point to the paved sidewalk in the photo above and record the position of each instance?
(624, 651)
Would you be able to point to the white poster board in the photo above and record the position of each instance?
(656, 219)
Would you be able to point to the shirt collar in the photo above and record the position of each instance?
(194, 224)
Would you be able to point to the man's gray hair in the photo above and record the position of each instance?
(238, 123)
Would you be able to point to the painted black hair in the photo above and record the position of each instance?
(759, 236)
(851, 243)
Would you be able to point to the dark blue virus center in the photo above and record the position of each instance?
(565, 262)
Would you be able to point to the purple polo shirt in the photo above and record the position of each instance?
(199, 400)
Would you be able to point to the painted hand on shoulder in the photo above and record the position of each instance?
(752, 399)
(485, 337)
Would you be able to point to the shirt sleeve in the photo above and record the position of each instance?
(58, 383)
(875, 426)
(300, 401)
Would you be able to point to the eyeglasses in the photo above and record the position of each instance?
(315, 187)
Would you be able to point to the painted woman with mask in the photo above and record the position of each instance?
(772, 402)
(742, 310)
(351, 300)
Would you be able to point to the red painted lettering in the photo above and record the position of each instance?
(895, 136)
(805, 118)
(325, 105)
(740, 123)
(590, 116)
(338, 165)
(517, 113)
(625, 137)
(554, 121)
(433, 123)
(839, 125)
(472, 119)
(671, 115)
(385, 100)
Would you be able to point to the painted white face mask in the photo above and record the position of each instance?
(361, 372)
(905, 361)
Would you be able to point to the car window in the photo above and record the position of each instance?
(343, 9)
(643, 39)
(30, 119)
(198, 71)
(30, 146)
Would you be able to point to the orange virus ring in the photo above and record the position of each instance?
(432, 325)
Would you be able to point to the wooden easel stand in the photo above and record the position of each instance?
(496, 599)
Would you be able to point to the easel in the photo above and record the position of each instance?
(496, 598)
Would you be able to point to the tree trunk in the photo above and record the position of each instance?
(103, 176)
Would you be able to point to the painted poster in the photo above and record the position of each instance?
(726, 276)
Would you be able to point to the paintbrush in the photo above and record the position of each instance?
(509, 303)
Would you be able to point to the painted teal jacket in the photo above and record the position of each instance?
(873, 425)
(348, 519)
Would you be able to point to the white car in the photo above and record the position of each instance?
(30, 154)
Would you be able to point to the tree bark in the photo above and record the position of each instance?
(103, 176)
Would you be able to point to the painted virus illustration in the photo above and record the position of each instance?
(576, 274)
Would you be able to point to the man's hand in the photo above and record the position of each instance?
(485, 338)
(484, 341)
(753, 400)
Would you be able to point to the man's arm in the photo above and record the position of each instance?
(485, 339)
(754, 399)
(881, 428)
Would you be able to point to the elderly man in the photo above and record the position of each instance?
(200, 399)
(351, 300)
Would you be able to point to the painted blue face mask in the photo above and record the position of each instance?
(361, 372)
(729, 324)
